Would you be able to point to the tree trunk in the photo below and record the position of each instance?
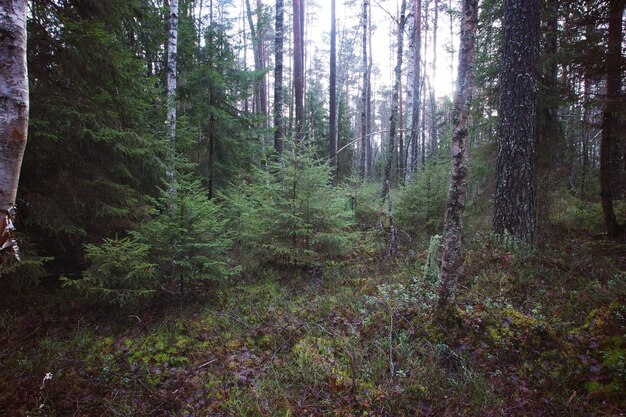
(514, 211)
(332, 129)
(278, 78)
(452, 250)
(13, 97)
(434, 145)
(416, 81)
(364, 137)
(393, 119)
(298, 69)
(611, 121)
(172, 45)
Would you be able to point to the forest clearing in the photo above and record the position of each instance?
(312, 208)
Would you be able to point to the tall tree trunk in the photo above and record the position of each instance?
(172, 45)
(452, 249)
(278, 78)
(433, 103)
(416, 81)
(514, 211)
(393, 119)
(610, 143)
(298, 68)
(364, 137)
(369, 119)
(332, 128)
(13, 97)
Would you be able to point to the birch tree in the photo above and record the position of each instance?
(13, 97)
(452, 250)
(172, 45)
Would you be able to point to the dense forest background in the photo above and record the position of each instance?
(224, 212)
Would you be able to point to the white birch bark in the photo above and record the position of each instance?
(172, 45)
(13, 97)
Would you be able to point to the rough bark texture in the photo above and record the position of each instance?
(172, 44)
(514, 202)
(416, 82)
(364, 137)
(452, 250)
(278, 77)
(611, 133)
(395, 97)
(13, 97)
(298, 68)
(332, 128)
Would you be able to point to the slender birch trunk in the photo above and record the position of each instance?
(171, 95)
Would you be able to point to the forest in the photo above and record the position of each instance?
(311, 208)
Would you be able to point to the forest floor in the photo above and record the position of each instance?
(533, 334)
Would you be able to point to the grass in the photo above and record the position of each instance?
(539, 333)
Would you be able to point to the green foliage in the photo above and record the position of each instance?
(188, 237)
(119, 272)
(421, 203)
(289, 215)
(570, 212)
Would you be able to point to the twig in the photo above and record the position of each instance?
(206, 364)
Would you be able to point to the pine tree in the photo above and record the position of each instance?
(514, 209)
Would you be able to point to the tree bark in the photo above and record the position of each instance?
(393, 119)
(611, 134)
(172, 45)
(452, 255)
(14, 102)
(416, 81)
(278, 78)
(332, 129)
(514, 211)
(364, 136)
(298, 69)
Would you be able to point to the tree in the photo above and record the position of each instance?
(610, 144)
(278, 77)
(393, 119)
(415, 83)
(14, 101)
(514, 204)
(298, 66)
(364, 97)
(452, 249)
(172, 45)
(332, 135)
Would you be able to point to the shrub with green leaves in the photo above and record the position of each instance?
(289, 215)
(119, 272)
(188, 236)
(421, 203)
(185, 240)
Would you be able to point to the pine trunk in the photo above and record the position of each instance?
(332, 139)
(610, 143)
(395, 98)
(298, 69)
(364, 145)
(278, 78)
(514, 211)
(452, 250)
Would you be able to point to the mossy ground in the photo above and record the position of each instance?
(535, 333)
